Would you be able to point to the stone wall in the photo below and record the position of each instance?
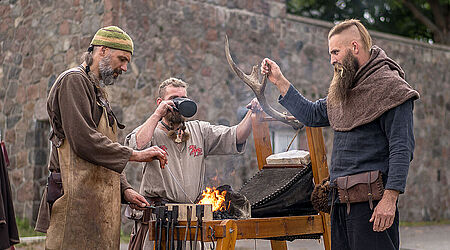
(185, 39)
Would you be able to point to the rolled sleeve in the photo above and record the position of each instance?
(130, 140)
(220, 140)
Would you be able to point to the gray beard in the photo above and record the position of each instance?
(106, 71)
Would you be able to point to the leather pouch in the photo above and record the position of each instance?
(54, 187)
(367, 186)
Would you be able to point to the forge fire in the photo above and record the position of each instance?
(214, 197)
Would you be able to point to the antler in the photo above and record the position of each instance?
(258, 88)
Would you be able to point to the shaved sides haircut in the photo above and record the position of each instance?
(365, 36)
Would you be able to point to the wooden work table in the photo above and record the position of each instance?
(226, 232)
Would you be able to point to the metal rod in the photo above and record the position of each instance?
(176, 181)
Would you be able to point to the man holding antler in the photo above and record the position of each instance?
(370, 108)
(187, 144)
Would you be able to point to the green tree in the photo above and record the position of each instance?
(425, 20)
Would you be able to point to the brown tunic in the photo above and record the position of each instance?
(74, 114)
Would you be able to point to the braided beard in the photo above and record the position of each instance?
(177, 135)
(342, 81)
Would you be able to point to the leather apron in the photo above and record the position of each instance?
(87, 216)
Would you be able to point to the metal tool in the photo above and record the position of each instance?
(188, 228)
(199, 212)
(159, 212)
(176, 181)
(168, 226)
(162, 220)
(156, 226)
(175, 225)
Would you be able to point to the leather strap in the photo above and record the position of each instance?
(370, 194)
(347, 196)
(102, 101)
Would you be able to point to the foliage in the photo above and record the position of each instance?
(425, 20)
(423, 223)
(124, 237)
(25, 228)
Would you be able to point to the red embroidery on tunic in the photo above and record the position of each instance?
(195, 151)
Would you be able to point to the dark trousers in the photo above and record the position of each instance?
(354, 231)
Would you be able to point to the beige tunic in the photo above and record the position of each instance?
(188, 163)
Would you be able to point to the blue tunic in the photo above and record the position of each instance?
(385, 144)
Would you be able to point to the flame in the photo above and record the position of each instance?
(214, 197)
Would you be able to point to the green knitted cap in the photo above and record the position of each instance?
(113, 37)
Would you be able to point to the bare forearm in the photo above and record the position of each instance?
(391, 195)
(244, 128)
(283, 85)
(145, 133)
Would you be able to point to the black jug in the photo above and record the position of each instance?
(185, 106)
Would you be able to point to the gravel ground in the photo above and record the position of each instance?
(412, 238)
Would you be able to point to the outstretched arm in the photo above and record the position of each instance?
(245, 126)
(312, 114)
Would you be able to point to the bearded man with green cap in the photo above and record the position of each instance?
(80, 208)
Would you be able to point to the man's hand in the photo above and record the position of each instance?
(145, 133)
(254, 106)
(384, 213)
(136, 200)
(150, 154)
(163, 108)
(273, 72)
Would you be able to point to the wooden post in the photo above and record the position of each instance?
(320, 171)
(227, 242)
(278, 245)
(263, 148)
(261, 135)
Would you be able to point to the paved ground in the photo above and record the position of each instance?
(412, 238)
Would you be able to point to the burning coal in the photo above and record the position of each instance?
(226, 204)
(215, 198)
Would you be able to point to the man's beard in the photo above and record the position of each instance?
(174, 118)
(342, 82)
(107, 72)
